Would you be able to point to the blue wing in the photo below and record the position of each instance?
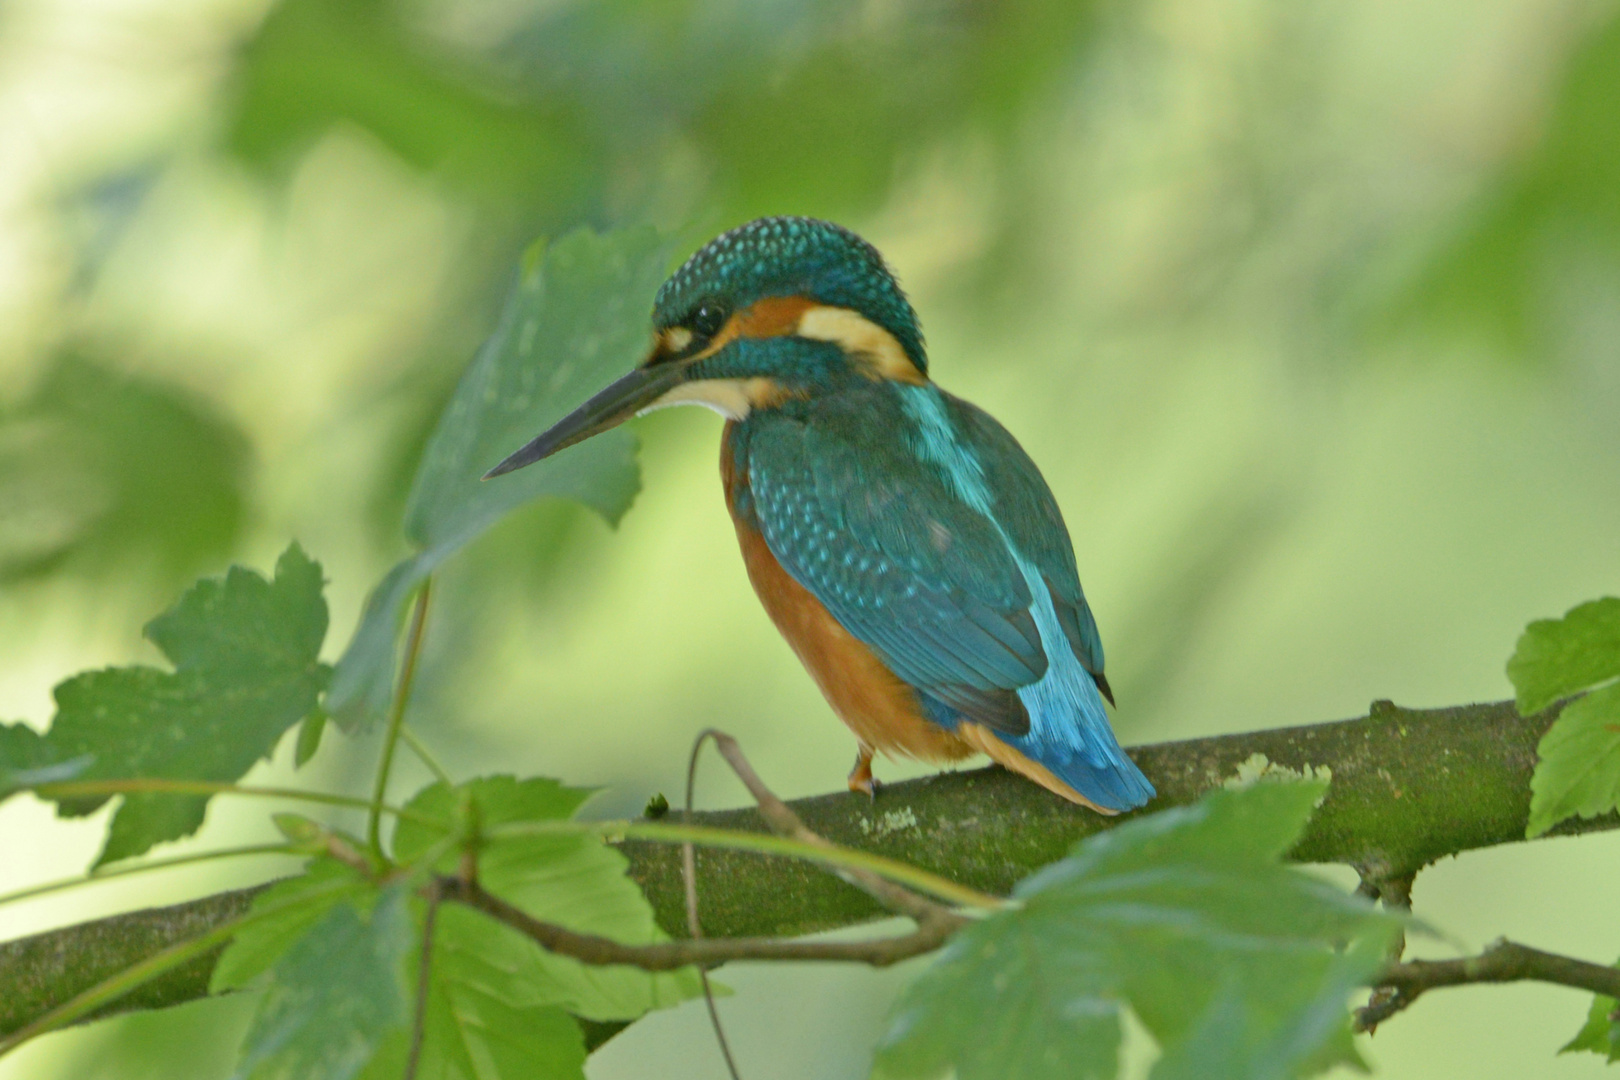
(898, 560)
(977, 607)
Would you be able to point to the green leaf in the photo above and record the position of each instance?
(309, 737)
(484, 1018)
(1559, 657)
(27, 758)
(1231, 959)
(577, 320)
(1601, 1032)
(1579, 767)
(335, 996)
(98, 465)
(289, 908)
(316, 63)
(245, 652)
(574, 880)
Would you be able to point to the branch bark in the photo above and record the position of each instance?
(1409, 786)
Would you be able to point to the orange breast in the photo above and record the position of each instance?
(878, 707)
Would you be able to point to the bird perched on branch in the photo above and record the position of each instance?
(901, 540)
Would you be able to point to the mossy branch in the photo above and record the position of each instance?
(1409, 787)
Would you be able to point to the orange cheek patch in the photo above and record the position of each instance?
(773, 316)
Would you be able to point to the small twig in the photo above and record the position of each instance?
(784, 822)
(935, 922)
(424, 982)
(709, 952)
(396, 715)
(694, 926)
(1504, 961)
(1394, 891)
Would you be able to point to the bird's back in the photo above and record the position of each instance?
(929, 535)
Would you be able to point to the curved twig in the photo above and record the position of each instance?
(708, 952)
(693, 926)
(1505, 961)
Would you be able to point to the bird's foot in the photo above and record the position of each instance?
(861, 778)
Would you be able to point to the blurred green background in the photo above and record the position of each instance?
(1309, 311)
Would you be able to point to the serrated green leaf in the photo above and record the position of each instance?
(574, 880)
(289, 909)
(1601, 1032)
(1230, 958)
(483, 1021)
(246, 658)
(335, 996)
(1559, 657)
(1578, 771)
(577, 319)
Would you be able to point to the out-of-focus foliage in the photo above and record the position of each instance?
(564, 106)
(315, 63)
(336, 994)
(571, 325)
(1545, 229)
(100, 470)
(1579, 770)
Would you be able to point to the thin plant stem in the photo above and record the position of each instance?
(156, 864)
(660, 832)
(396, 715)
(694, 926)
(424, 983)
(68, 789)
(424, 755)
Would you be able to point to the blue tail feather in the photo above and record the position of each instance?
(1069, 732)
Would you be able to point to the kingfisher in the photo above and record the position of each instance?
(900, 539)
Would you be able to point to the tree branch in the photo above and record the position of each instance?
(1504, 961)
(1409, 786)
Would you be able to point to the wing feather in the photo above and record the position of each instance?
(899, 560)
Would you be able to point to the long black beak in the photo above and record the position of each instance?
(607, 409)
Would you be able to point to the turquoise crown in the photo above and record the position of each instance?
(792, 256)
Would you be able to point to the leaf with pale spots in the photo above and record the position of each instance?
(1235, 963)
(246, 668)
(576, 320)
(335, 995)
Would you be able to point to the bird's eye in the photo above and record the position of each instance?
(707, 320)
